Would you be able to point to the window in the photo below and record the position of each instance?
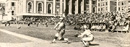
(12, 4)
(12, 12)
(122, 3)
(115, 8)
(119, 9)
(101, 9)
(128, 1)
(50, 0)
(49, 8)
(123, 8)
(40, 8)
(29, 5)
(57, 0)
(63, 0)
(0, 5)
(103, 4)
(98, 9)
(106, 3)
(118, 3)
(94, 2)
(106, 8)
(98, 4)
(87, 2)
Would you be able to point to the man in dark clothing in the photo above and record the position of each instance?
(7, 23)
(29, 23)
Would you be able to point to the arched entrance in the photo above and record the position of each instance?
(29, 7)
(40, 7)
(49, 8)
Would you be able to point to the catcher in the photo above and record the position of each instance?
(86, 36)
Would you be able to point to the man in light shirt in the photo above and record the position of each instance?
(86, 36)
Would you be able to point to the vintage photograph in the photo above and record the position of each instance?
(64, 23)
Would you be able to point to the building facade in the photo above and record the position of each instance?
(16, 8)
(122, 6)
(47, 7)
(112, 6)
(128, 5)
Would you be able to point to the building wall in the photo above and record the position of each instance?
(122, 6)
(128, 5)
(38, 8)
(113, 6)
(57, 7)
(102, 6)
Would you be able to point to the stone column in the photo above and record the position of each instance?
(61, 4)
(70, 6)
(24, 6)
(64, 5)
(127, 6)
(97, 7)
(34, 6)
(16, 8)
(45, 6)
(8, 11)
(117, 5)
(95, 10)
(76, 7)
(54, 7)
(108, 7)
(82, 7)
(90, 6)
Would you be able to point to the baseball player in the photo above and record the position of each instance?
(60, 28)
(86, 36)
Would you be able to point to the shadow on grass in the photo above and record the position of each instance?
(94, 44)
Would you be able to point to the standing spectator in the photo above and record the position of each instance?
(38, 22)
(46, 23)
(29, 23)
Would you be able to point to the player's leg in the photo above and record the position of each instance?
(66, 40)
(54, 40)
(62, 32)
(86, 41)
(86, 44)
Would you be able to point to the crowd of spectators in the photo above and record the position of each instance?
(108, 18)
(40, 20)
(111, 20)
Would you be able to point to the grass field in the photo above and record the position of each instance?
(47, 33)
